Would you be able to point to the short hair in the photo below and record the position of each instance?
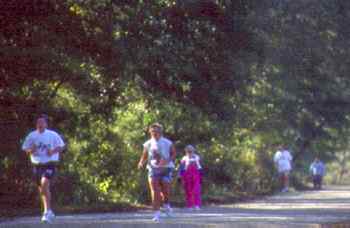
(43, 116)
(156, 125)
(190, 148)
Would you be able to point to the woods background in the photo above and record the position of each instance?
(233, 77)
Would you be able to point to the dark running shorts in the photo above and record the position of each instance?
(43, 170)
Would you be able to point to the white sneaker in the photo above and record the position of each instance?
(285, 190)
(44, 218)
(48, 217)
(156, 217)
(167, 209)
(197, 208)
(189, 209)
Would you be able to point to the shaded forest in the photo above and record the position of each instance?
(233, 77)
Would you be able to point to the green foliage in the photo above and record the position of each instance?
(234, 78)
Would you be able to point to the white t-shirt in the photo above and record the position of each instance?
(162, 146)
(283, 160)
(187, 160)
(43, 141)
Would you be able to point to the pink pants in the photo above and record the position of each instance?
(191, 180)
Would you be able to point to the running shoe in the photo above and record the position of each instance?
(156, 217)
(197, 208)
(285, 190)
(48, 217)
(167, 210)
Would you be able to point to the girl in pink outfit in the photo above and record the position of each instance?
(190, 173)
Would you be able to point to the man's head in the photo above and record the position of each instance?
(41, 122)
(156, 130)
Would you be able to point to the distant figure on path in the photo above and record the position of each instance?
(44, 147)
(190, 174)
(283, 163)
(317, 171)
(160, 153)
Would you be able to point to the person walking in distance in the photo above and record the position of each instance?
(317, 171)
(159, 153)
(44, 147)
(190, 174)
(283, 163)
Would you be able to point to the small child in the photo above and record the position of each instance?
(190, 174)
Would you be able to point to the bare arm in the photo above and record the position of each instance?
(173, 153)
(56, 150)
(143, 159)
(31, 150)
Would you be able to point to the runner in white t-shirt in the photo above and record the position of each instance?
(160, 154)
(44, 147)
(283, 162)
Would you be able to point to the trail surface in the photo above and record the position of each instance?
(326, 208)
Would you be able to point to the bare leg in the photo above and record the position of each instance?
(45, 193)
(165, 188)
(285, 180)
(155, 193)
